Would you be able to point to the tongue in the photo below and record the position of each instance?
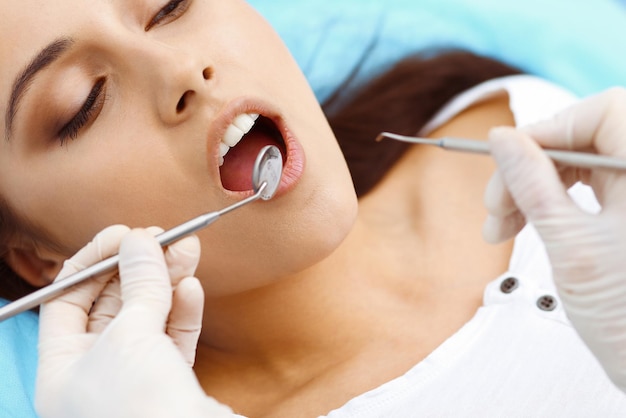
(236, 172)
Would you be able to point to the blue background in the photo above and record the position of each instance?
(576, 43)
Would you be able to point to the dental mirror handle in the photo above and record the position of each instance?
(165, 238)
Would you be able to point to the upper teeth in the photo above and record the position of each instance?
(235, 131)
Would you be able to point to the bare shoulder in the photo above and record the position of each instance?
(476, 121)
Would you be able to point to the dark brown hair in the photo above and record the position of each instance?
(12, 286)
(401, 100)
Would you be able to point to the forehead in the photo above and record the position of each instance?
(27, 27)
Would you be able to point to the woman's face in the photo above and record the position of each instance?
(115, 110)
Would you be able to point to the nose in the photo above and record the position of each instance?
(182, 90)
(172, 79)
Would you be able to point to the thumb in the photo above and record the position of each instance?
(145, 284)
(531, 178)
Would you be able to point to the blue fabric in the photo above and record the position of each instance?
(18, 364)
(576, 43)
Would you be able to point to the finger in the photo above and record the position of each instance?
(504, 220)
(182, 258)
(529, 175)
(106, 307)
(109, 302)
(145, 284)
(592, 123)
(497, 199)
(185, 321)
(154, 230)
(497, 230)
(68, 314)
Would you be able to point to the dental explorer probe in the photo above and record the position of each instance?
(266, 176)
(569, 158)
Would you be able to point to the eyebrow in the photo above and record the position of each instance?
(43, 59)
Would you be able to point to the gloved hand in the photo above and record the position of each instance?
(587, 251)
(128, 355)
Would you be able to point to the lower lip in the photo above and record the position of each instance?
(294, 161)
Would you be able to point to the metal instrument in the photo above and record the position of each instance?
(266, 176)
(570, 158)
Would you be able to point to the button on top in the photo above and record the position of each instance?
(509, 284)
(547, 303)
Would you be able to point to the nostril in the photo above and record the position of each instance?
(207, 73)
(182, 103)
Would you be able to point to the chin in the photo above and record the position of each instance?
(298, 244)
(324, 237)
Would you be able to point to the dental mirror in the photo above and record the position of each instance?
(267, 169)
(266, 175)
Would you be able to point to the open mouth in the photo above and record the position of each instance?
(244, 138)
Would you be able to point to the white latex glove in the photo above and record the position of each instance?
(128, 356)
(587, 251)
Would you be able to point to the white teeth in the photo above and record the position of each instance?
(244, 122)
(240, 126)
(232, 136)
(223, 149)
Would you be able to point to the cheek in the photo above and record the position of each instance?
(71, 194)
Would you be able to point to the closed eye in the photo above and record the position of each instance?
(170, 12)
(88, 111)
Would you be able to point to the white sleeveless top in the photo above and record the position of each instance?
(513, 358)
(518, 356)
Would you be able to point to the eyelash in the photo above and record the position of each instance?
(95, 100)
(93, 103)
(172, 11)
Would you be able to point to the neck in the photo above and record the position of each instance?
(394, 278)
(411, 272)
(286, 319)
